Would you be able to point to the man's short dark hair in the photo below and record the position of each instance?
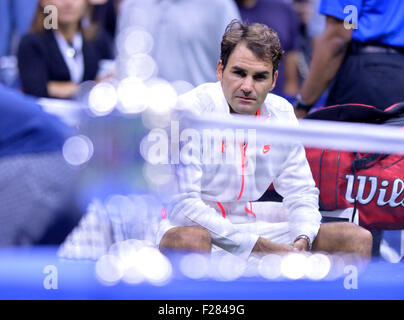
(259, 38)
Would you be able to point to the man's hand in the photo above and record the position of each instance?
(301, 245)
(300, 113)
(263, 246)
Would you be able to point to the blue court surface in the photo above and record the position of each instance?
(25, 273)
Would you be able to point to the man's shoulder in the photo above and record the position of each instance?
(280, 109)
(206, 97)
(277, 103)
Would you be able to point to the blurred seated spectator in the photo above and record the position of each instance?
(186, 34)
(53, 61)
(15, 19)
(280, 16)
(37, 194)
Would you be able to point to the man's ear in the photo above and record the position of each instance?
(275, 78)
(219, 70)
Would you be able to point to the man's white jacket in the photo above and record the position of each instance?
(217, 191)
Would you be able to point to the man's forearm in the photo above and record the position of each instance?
(264, 246)
(291, 86)
(328, 55)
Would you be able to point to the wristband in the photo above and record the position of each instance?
(303, 236)
(298, 103)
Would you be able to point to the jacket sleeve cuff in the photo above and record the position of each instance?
(245, 248)
(309, 230)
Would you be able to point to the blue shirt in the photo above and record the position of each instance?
(379, 21)
(26, 128)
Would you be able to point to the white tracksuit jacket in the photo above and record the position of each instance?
(219, 196)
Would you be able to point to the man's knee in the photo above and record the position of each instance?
(193, 238)
(365, 239)
(344, 237)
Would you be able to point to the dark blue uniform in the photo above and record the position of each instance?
(373, 70)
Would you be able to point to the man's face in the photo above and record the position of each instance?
(246, 80)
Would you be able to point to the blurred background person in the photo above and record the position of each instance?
(105, 13)
(38, 204)
(186, 35)
(53, 62)
(15, 20)
(280, 16)
(358, 58)
(311, 27)
(360, 55)
(311, 23)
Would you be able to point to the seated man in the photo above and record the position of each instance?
(214, 206)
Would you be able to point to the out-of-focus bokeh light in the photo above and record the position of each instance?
(102, 99)
(133, 95)
(156, 97)
(138, 18)
(226, 267)
(163, 96)
(127, 252)
(132, 274)
(155, 266)
(77, 150)
(194, 265)
(140, 65)
(107, 270)
(338, 264)
(152, 119)
(318, 266)
(136, 261)
(270, 266)
(231, 267)
(133, 261)
(135, 40)
(294, 265)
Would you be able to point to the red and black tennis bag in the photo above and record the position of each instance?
(372, 184)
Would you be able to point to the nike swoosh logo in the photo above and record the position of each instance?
(163, 213)
(266, 149)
